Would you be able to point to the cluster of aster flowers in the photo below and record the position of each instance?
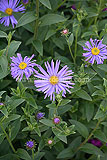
(50, 82)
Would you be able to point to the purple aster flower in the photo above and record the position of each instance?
(1, 104)
(10, 6)
(53, 80)
(56, 120)
(40, 115)
(73, 7)
(20, 66)
(105, 9)
(96, 51)
(25, 1)
(30, 144)
(96, 142)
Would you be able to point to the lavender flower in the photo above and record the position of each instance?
(20, 66)
(25, 1)
(96, 142)
(53, 81)
(9, 7)
(30, 144)
(56, 120)
(1, 104)
(96, 51)
(40, 115)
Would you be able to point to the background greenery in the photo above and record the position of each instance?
(39, 32)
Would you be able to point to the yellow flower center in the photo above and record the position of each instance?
(53, 80)
(9, 11)
(22, 65)
(95, 51)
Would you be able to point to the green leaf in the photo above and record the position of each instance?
(2, 92)
(88, 34)
(92, 14)
(46, 3)
(15, 129)
(89, 110)
(99, 114)
(28, 17)
(58, 42)
(71, 39)
(39, 155)
(12, 118)
(4, 63)
(98, 93)
(52, 105)
(81, 128)
(2, 52)
(105, 41)
(4, 110)
(84, 95)
(100, 135)
(38, 46)
(81, 43)
(31, 101)
(64, 109)
(9, 156)
(47, 122)
(66, 153)
(37, 130)
(49, 19)
(23, 154)
(64, 102)
(91, 149)
(13, 48)
(3, 74)
(59, 134)
(103, 67)
(3, 34)
(50, 33)
(13, 103)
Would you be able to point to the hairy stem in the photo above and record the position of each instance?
(76, 38)
(71, 53)
(8, 139)
(91, 134)
(33, 154)
(37, 20)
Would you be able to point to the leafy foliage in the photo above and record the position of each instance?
(54, 29)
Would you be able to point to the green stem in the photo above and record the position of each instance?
(76, 38)
(71, 53)
(55, 111)
(33, 154)
(37, 20)
(7, 138)
(91, 134)
(60, 5)
(99, 9)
